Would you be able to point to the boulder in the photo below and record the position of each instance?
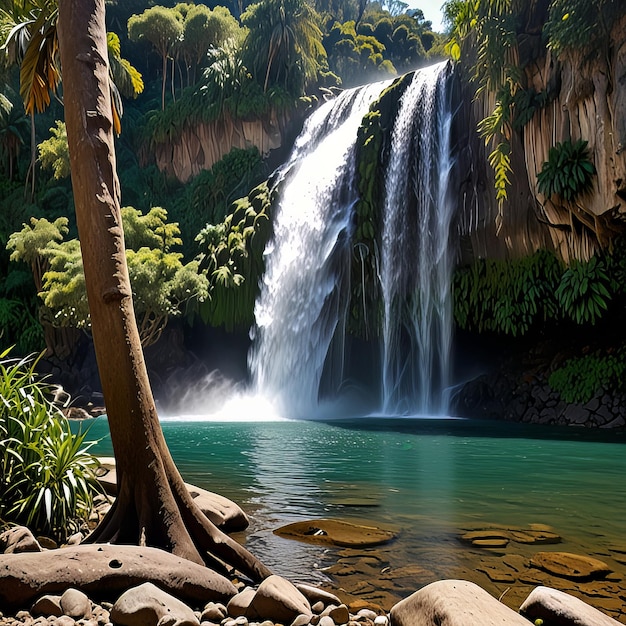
(224, 513)
(76, 604)
(453, 603)
(240, 602)
(18, 539)
(315, 594)
(561, 609)
(568, 565)
(279, 600)
(147, 605)
(47, 605)
(104, 570)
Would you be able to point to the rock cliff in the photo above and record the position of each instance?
(585, 98)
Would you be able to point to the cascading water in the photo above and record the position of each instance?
(416, 263)
(306, 285)
(416, 258)
(307, 262)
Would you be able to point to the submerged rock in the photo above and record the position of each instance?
(337, 533)
(500, 537)
(568, 565)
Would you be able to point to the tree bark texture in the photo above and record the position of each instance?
(153, 506)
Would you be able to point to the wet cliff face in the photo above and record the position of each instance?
(586, 99)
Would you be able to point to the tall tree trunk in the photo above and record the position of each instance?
(163, 81)
(153, 507)
(30, 174)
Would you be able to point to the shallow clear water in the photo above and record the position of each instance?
(428, 478)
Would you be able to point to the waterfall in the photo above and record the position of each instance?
(305, 286)
(305, 290)
(416, 258)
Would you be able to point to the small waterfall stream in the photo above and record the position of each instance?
(306, 289)
(416, 266)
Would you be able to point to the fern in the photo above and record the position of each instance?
(568, 172)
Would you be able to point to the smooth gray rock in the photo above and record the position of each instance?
(147, 605)
(47, 605)
(315, 594)
(279, 600)
(366, 614)
(558, 608)
(213, 612)
(240, 602)
(76, 604)
(453, 603)
(301, 620)
(106, 570)
(18, 539)
(339, 614)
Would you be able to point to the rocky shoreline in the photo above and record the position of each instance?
(179, 598)
(276, 601)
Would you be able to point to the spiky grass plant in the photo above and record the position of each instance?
(47, 474)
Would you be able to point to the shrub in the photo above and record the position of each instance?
(581, 378)
(232, 257)
(584, 293)
(506, 297)
(568, 172)
(47, 477)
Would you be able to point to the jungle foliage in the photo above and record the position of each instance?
(47, 475)
(232, 258)
(580, 379)
(514, 297)
(568, 172)
(207, 197)
(162, 284)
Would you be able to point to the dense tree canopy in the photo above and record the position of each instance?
(175, 63)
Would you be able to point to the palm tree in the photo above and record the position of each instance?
(153, 507)
(30, 41)
(284, 43)
(13, 129)
(29, 31)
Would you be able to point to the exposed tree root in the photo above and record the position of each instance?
(178, 526)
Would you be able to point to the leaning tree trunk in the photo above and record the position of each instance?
(153, 507)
